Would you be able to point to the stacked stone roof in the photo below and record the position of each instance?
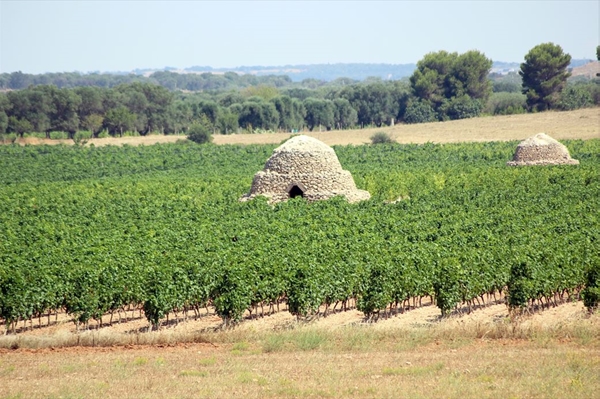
(541, 149)
(304, 166)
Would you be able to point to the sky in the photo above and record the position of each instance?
(111, 35)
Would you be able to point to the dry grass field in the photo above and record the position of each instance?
(486, 354)
(318, 364)
(579, 124)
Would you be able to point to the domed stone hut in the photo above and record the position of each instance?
(304, 167)
(541, 149)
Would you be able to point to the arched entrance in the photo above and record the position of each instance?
(296, 190)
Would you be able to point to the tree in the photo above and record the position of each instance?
(227, 122)
(374, 102)
(91, 101)
(428, 80)
(598, 57)
(291, 112)
(119, 120)
(419, 111)
(544, 75)
(19, 80)
(208, 108)
(258, 114)
(19, 126)
(93, 123)
(4, 104)
(454, 85)
(319, 113)
(344, 115)
(263, 91)
(65, 103)
(470, 76)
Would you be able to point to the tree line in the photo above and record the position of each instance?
(444, 86)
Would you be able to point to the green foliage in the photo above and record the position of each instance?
(460, 108)
(291, 113)
(58, 135)
(93, 123)
(227, 122)
(576, 96)
(8, 137)
(4, 106)
(232, 293)
(200, 132)
(519, 285)
(92, 230)
(544, 75)
(506, 104)
(454, 85)
(510, 83)
(119, 120)
(591, 292)
(419, 112)
(446, 284)
(81, 137)
(18, 126)
(319, 113)
(256, 113)
(381, 138)
(345, 116)
(377, 290)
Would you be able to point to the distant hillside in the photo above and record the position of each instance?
(588, 70)
(329, 72)
(298, 73)
(199, 78)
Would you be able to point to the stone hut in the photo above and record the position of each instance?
(541, 149)
(304, 167)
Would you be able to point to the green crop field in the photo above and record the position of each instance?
(92, 230)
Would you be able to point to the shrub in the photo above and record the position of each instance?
(462, 107)
(82, 136)
(381, 138)
(36, 135)
(59, 135)
(200, 132)
(506, 104)
(419, 112)
(8, 137)
(575, 97)
(503, 86)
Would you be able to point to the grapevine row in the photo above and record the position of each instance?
(169, 238)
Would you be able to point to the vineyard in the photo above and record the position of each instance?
(93, 231)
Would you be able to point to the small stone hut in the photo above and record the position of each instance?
(541, 149)
(304, 167)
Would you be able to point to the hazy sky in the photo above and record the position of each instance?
(58, 36)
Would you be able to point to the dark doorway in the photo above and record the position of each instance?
(296, 191)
